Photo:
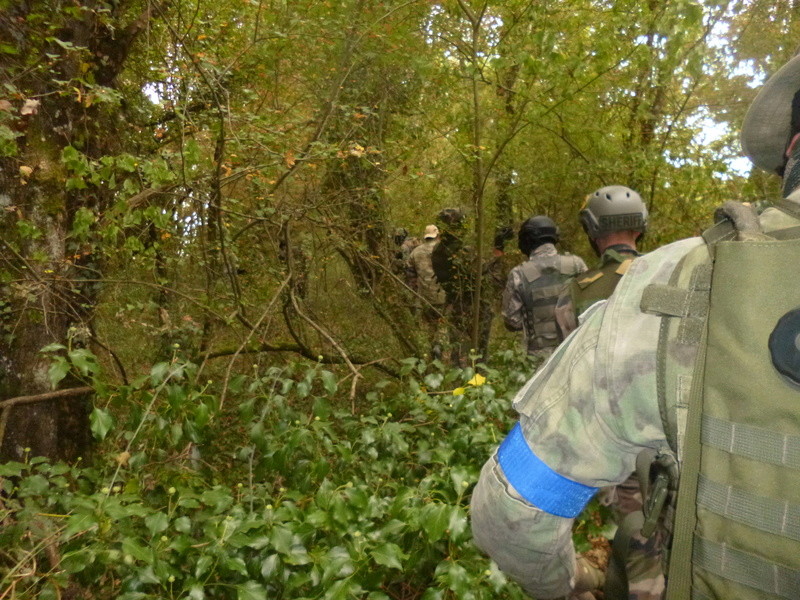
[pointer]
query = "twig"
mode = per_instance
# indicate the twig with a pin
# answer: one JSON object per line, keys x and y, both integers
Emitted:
{"x": 222, "y": 397}
{"x": 6, "y": 405}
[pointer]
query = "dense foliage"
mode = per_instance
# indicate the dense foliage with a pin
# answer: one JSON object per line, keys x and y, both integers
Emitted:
{"x": 288, "y": 496}
{"x": 196, "y": 195}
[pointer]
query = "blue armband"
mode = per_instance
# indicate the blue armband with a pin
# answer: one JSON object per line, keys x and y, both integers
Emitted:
{"x": 538, "y": 483}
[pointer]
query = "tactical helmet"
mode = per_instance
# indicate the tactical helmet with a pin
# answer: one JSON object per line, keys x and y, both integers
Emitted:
{"x": 400, "y": 235}
{"x": 536, "y": 231}
{"x": 451, "y": 216}
{"x": 613, "y": 208}
{"x": 501, "y": 236}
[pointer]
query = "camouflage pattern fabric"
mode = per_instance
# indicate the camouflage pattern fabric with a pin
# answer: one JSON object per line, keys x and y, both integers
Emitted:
{"x": 644, "y": 564}
{"x": 513, "y": 305}
{"x": 420, "y": 270}
{"x": 586, "y": 414}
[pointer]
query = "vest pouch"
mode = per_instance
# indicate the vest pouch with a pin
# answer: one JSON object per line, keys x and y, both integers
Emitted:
{"x": 746, "y": 541}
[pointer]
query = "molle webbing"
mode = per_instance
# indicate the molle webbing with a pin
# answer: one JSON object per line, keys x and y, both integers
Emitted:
{"x": 750, "y": 570}
{"x": 737, "y": 529}
{"x": 542, "y": 282}
{"x": 690, "y": 304}
{"x": 755, "y": 443}
{"x": 765, "y": 514}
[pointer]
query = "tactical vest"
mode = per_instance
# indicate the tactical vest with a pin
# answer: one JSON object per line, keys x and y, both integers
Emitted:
{"x": 542, "y": 282}
{"x": 598, "y": 284}
{"x": 732, "y": 307}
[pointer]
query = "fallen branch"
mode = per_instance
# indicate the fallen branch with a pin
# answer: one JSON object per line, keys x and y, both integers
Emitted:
{"x": 5, "y": 405}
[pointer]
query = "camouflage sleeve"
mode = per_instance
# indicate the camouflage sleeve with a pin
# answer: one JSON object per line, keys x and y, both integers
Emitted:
{"x": 512, "y": 302}
{"x": 586, "y": 414}
{"x": 411, "y": 272}
{"x": 580, "y": 265}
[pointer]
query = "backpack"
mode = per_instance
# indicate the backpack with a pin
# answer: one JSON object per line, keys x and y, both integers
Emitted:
{"x": 733, "y": 307}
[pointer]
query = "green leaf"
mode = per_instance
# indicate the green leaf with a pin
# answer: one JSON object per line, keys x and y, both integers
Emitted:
{"x": 455, "y": 577}
{"x": 53, "y": 348}
{"x": 329, "y": 382}
{"x": 203, "y": 565}
{"x": 156, "y": 523}
{"x": 251, "y": 591}
{"x": 12, "y": 469}
{"x": 84, "y": 361}
{"x": 435, "y": 518}
{"x": 281, "y": 539}
{"x": 196, "y": 592}
{"x": 101, "y": 422}
{"x": 183, "y": 524}
{"x": 389, "y": 555}
{"x": 136, "y": 550}
{"x": 270, "y": 564}
{"x": 58, "y": 370}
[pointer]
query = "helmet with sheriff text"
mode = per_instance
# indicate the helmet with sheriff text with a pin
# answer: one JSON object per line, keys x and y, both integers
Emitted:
{"x": 613, "y": 208}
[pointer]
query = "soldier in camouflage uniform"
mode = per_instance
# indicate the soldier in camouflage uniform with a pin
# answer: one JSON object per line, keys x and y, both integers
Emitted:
{"x": 419, "y": 269}
{"x": 404, "y": 245}
{"x": 496, "y": 271}
{"x": 614, "y": 218}
{"x": 532, "y": 289}
{"x": 586, "y": 415}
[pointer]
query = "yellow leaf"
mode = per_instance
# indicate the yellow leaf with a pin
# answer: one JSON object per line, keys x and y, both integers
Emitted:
{"x": 459, "y": 391}
{"x": 477, "y": 380}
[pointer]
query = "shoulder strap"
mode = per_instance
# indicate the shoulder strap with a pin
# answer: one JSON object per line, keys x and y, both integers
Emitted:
{"x": 530, "y": 271}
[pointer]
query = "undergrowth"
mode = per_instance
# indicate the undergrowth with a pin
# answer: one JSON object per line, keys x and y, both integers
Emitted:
{"x": 282, "y": 493}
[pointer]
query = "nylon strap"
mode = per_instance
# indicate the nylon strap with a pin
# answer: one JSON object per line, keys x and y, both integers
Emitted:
{"x": 747, "y": 569}
{"x": 616, "y": 587}
{"x": 767, "y": 514}
{"x": 680, "y": 563}
{"x": 790, "y": 233}
{"x": 751, "y": 442}
{"x": 536, "y": 482}
{"x": 789, "y": 207}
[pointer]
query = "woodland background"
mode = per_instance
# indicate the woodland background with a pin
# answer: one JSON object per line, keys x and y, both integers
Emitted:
{"x": 196, "y": 205}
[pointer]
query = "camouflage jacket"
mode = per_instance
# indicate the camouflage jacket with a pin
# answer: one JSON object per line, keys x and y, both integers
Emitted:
{"x": 514, "y": 308}
{"x": 593, "y": 285}
{"x": 420, "y": 270}
{"x": 586, "y": 414}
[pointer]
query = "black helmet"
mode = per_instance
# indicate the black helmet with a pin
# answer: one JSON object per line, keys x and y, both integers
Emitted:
{"x": 536, "y": 231}
{"x": 501, "y": 236}
{"x": 454, "y": 217}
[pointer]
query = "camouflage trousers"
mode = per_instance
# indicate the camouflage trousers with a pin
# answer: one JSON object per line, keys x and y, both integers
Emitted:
{"x": 644, "y": 565}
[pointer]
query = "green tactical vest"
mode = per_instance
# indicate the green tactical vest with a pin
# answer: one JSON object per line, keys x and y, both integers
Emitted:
{"x": 541, "y": 285}
{"x": 598, "y": 284}
{"x": 733, "y": 307}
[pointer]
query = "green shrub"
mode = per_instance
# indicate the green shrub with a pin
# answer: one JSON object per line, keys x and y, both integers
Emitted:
{"x": 291, "y": 495}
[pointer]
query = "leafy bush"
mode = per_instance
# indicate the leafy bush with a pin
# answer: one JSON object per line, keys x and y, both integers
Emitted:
{"x": 289, "y": 496}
